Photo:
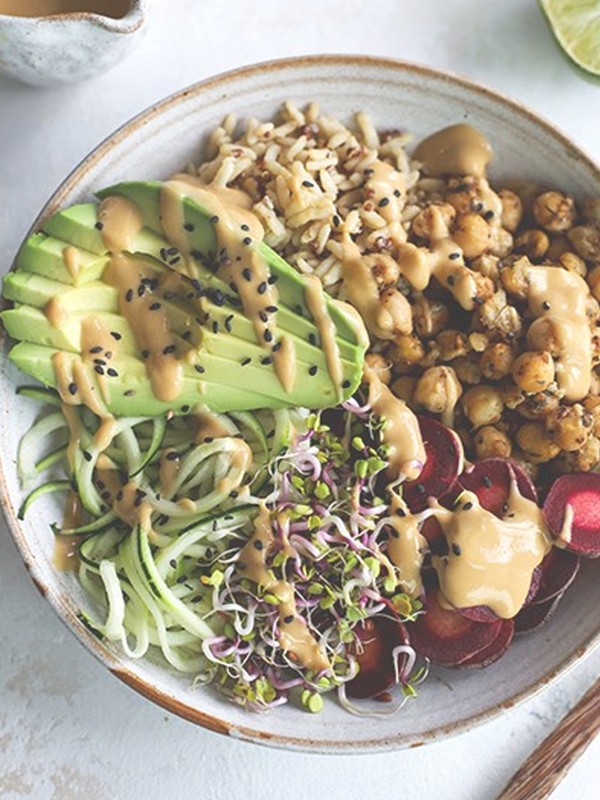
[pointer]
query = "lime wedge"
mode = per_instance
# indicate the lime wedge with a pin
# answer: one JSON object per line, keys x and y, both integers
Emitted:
{"x": 576, "y": 25}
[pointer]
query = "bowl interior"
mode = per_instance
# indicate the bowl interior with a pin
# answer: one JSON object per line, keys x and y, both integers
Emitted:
{"x": 164, "y": 140}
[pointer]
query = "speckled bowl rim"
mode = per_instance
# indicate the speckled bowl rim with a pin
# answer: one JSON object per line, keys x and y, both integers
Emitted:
{"x": 129, "y": 23}
{"x": 67, "y": 615}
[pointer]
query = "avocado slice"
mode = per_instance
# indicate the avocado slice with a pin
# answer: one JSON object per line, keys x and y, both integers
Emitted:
{"x": 222, "y": 364}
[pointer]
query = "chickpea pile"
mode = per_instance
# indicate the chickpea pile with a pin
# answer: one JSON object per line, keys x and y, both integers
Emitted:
{"x": 476, "y": 369}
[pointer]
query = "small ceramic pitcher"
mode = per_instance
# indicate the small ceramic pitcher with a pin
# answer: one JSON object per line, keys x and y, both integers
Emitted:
{"x": 68, "y": 47}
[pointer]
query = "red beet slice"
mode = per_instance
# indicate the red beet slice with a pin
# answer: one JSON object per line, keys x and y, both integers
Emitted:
{"x": 432, "y": 531}
{"x": 491, "y": 481}
{"x": 444, "y": 460}
{"x": 447, "y": 637}
{"x": 378, "y": 636}
{"x": 557, "y": 571}
{"x": 531, "y": 617}
{"x": 580, "y": 491}
{"x": 495, "y": 650}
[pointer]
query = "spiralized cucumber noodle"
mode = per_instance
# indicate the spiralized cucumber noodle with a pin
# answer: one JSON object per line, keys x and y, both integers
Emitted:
{"x": 168, "y": 582}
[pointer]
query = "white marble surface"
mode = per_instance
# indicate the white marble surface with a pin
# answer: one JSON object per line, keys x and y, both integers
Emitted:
{"x": 67, "y": 728}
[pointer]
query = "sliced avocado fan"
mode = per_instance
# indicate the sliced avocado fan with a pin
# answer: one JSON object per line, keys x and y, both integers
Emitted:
{"x": 150, "y": 302}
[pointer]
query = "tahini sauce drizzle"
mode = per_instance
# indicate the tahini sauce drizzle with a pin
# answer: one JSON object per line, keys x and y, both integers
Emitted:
{"x": 295, "y": 637}
{"x": 406, "y": 546}
{"x": 456, "y": 150}
{"x": 558, "y": 299}
{"x": 490, "y": 560}
{"x": 121, "y": 221}
{"x": 401, "y": 432}
{"x": 315, "y": 302}
{"x": 66, "y": 548}
{"x": 72, "y": 260}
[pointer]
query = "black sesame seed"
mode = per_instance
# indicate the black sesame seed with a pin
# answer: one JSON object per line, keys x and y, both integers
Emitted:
{"x": 100, "y": 361}
{"x": 214, "y": 220}
{"x": 258, "y": 544}
{"x": 289, "y": 619}
{"x": 87, "y": 455}
{"x": 96, "y": 349}
{"x": 312, "y": 371}
{"x": 170, "y": 348}
{"x": 129, "y": 393}
{"x": 188, "y": 227}
{"x": 112, "y": 372}
{"x": 420, "y": 488}
{"x": 312, "y": 338}
{"x": 467, "y": 506}
{"x": 401, "y": 512}
{"x": 488, "y": 215}
{"x": 277, "y": 346}
{"x": 172, "y": 455}
{"x": 172, "y": 251}
{"x": 456, "y": 549}
{"x": 185, "y": 409}
{"x": 546, "y": 305}
{"x": 181, "y": 578}
{"x": 129, "y": 295}
{"x": 245, "y": 362}
{"x": 141, "y": 290}
{"x": 116, "y": 336}
{"x": 105, "y": 495}
{"x": 145, "y": 353}
{"x": 266, "y": 361}
{"x": 454, "y": 256}
{"x": 264, "y": 317}
{"x": 245, "y": 227}
{"x": 172, "y": 563}
{"x": 215, "y": 326}
{"x": 208, "y": 439}
{"x": 346, "y": 384}
{"x": 336, "y": 220}
{"x": 199, "y": 368}
{"x": 108, "y": 354}
{"x": 100, "y": 484}
{"x": 99, "y": 226}
{"x": 451, "y": 280}
{"x": 154, "y": 306}
{"x": 262, "y": 287}
{"x": 383, "y": 202}
{"x": 186, "y": 335}
{"x": 72, "y": 388}
{"x": 247, "y": 274}
{"x": 308, "y": 184}
{"x": 487, "y": 482}
{"x": 268, "y": 335}
{"x": 228, "y": 321}
{"x": 246, "y": 240}
{"x": 271, "y": 309}
{"x": 397, "y": 193}
{"x": 99, "y": 369}
{"x": 272, "y": 279}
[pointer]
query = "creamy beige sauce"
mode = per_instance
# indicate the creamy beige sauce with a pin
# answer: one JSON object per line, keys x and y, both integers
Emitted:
{"x": 456, "y": 150}
{"x": 444, "y": 261}
{"x": 315, "y": 302}
{"x": 168, "y": 470}
{"x": 66, "y": 548}
{"x": 241, "y": 460}
{"x": 94, "y": 334}
{"x": 126, "y": 501}
{"x": 46, "y": 8}
{"x": 71, "y": 372}
{"x": 208, "y": 426}
{"x": 121, "y": 221}
{"x": 453, "y": 391}
{"x": 558, "y": 299}
{"x": 105, "y": 433}
{"x": 151, "y": 328}
{"x": 362, "y": 291}
{"x": 295, "y": 637}
{"x": 72, "y": 261}
{"x": 406, "y": 547}
{"x": 401, "y": 432}
{"x": 55, "y": 312}
{"x": 490, "y": 560}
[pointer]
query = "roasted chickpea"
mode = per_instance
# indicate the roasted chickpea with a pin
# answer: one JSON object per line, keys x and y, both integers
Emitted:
{"x": 468, "y": 371}
{"x": 586, "y": 241}
{"x": 482, "y": 405}
{"x": 512, "y": 396}
{"x": 558, "y": 246}
{"x": 513, "y": 274}
{"x": 592, "y": 406}
{"x": 590, "y": 210}
{"x": 573, "y": 263}
{"x": 586, "y": 458}
{"x": 478, "y": 341}
{"x": 395, "y": 314}
{"x": 452, "y": 344}
{"x": 570, "y": 426}
{"x": 492, "y": 443}
{"x": 533, "y": 372}
{"x": 497, "y": 360}
{"x": 495, "y": 314}
{"x": 433, "y": 222}
{"x": 437, "y": 390}
{"x": 380, "y": 365}
{"x": 593, "y": 280}
{"x": 472, "y": 234}
{"x": 544, "y": 336}
{"x": 429, "y": 317}
{"x": 554, "y": 211}
{"x": 512, "y": 210}
{"x": 464, "y": 195}
{"x": 592, "y": 311}
{"x": 533, "y": 243}
{"x": 407, "y": 350}
{"x": 538, "y": 405}
{"x": 385, "y": 270}
{"x": 404, "y": 388}
{"x": 501, "y": 242}
{"x": 487, "y": 265}
{"x": 537, "y": 443}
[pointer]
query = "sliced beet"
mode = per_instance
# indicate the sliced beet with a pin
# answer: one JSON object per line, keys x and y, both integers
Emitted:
{"x": 580, "y": 491}
{"x": 491, "y": 481}
{"x": 557, "y": 571}
{"x": 447, "y": 637}
{"x": 378, "y": 636}
{"x": 531, "y": 617}
{"x": 444, "y": 452}
{"x": 432, "y": 531}
{"x": 495, "y": 650}
{"x": 481, "y": 614}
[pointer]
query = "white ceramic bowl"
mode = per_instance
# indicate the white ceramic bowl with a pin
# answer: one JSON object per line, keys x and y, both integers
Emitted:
{"x": 161, "y": 141}
{"x": 68, "y": 47}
